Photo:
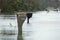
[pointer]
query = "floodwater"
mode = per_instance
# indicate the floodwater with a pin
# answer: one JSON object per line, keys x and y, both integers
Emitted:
{"x": 8, "y": 27}
{"x": 43, "y": 26}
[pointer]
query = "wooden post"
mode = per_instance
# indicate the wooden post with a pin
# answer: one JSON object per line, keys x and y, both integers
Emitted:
{"x": 20, "y": 18}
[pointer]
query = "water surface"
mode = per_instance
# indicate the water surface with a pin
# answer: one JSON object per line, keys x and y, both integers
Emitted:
{"x": 8, "y": 27}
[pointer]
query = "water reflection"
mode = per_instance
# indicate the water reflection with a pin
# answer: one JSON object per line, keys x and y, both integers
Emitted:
{"x": 8, "y": 27}
{"x": 8, "y": 37}
{"x": 8, "y": 17}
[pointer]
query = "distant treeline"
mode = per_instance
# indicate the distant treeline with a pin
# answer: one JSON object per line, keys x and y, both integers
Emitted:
{"x": 11, "y": 6}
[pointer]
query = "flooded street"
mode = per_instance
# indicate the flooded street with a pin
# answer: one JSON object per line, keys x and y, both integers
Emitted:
{"x": 43, "y": 26}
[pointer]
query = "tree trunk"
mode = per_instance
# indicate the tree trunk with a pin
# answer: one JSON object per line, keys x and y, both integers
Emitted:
{"x": 20, "y": 18}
